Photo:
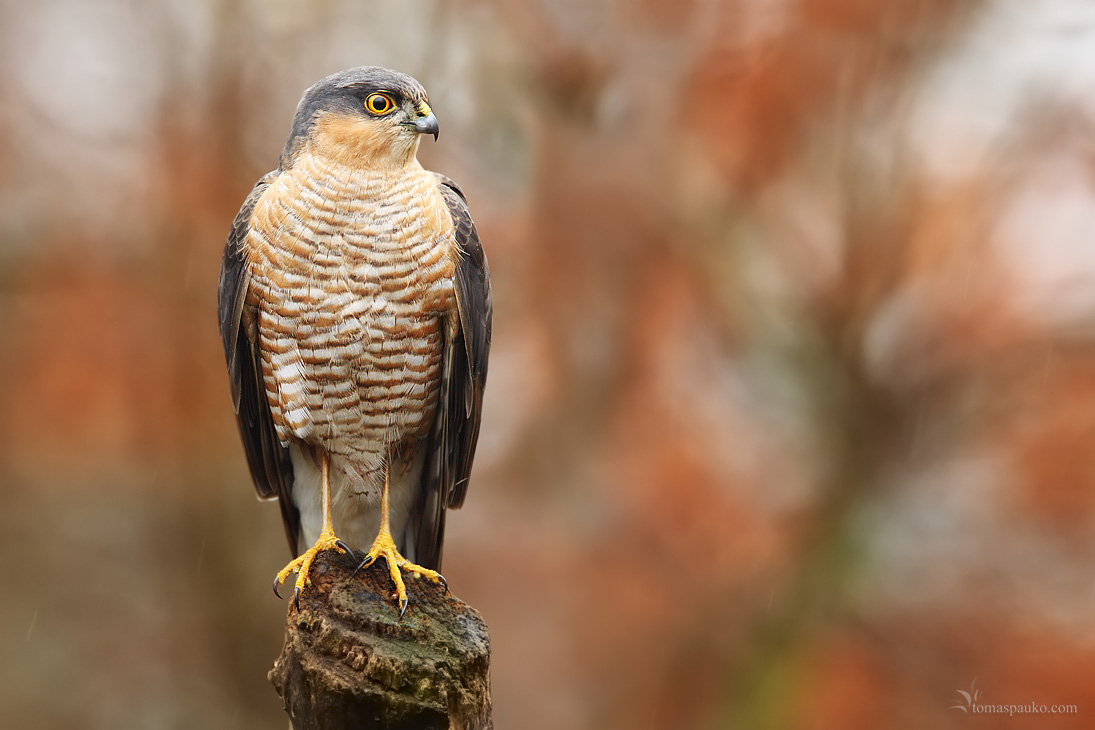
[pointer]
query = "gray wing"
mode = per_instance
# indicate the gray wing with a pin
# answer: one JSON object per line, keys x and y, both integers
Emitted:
{"x": 464, "y": 374}
{"x": 268, "y": 459}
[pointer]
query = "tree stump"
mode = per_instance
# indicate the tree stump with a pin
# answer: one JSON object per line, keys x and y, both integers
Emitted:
{"x": 350, "y": 662}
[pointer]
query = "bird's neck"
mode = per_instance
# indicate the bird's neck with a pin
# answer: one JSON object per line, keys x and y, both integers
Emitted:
{"x": 346, "y": 142}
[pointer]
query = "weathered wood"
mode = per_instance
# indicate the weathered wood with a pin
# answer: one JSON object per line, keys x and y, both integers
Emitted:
{"x": 349, "y": 662}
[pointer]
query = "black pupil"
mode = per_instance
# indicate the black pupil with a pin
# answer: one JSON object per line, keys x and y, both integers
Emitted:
{"x": 379, "y": 103}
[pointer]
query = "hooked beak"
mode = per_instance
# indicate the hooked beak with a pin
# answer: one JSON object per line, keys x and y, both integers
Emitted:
{"x": 424, "y": 122}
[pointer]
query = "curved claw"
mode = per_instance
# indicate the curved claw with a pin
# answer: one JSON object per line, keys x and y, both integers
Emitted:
{"x": 369, "y": 560}
{"x": 402, "y": 607}
{"x": 296, "y": 598}
{"x": 444, "y": 583}
{"x": 276, "y": 582}
{"x": 343, "y": 547}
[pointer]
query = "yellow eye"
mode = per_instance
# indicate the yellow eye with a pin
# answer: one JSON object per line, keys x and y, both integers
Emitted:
{"x": 379, "y": 103}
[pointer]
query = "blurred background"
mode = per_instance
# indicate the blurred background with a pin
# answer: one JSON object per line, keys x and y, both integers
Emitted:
{"x": 791, "y": 412}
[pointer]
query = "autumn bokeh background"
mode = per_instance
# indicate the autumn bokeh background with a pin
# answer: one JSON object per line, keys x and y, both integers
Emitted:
{"x": 791, "y": 413}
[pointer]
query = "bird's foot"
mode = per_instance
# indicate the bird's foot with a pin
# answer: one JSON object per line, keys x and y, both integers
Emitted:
{"x": 301, "y": 565}
{"x": 385, "y": 547}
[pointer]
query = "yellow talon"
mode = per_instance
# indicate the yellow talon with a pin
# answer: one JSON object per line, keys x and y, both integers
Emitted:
{"x": 326, "y": 541}
{"x": 301, "y": 565}
{"x": 385, "y": 547}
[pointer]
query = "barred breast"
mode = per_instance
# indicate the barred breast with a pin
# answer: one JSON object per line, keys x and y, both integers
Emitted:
{"x": 352, "y": 275}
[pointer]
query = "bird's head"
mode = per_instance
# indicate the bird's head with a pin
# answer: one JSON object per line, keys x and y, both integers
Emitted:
{"x": 367, "y": 116}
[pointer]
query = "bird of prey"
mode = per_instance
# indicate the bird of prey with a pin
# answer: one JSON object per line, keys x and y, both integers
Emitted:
{"x": 355, "y": 311}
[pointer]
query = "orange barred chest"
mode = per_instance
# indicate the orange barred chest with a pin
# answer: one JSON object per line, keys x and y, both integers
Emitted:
{"x": 353, "y": 293}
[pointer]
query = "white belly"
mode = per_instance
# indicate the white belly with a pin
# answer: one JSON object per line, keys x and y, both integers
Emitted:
{"x": 355, "y": 501}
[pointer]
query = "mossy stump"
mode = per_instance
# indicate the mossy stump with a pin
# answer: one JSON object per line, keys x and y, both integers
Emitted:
{"x": 350, "y": 662}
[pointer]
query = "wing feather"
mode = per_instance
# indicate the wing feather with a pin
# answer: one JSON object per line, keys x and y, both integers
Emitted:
{"x": 268, "y": 460}
{"x": 464, "y": 375}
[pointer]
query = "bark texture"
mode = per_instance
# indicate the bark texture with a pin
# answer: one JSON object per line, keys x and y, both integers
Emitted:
{"x": 349, "y": 662}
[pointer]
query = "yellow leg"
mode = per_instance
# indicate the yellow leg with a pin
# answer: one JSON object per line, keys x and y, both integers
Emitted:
{"x": 384, "y": 546}
{"x": 326, "y": 541}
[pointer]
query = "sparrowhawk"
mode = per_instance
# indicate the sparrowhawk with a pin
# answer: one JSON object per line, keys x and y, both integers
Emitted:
{"x": 355, "y": 311}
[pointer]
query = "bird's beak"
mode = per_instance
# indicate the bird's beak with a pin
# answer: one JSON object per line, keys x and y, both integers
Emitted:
{"x": 424, "y": 122}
